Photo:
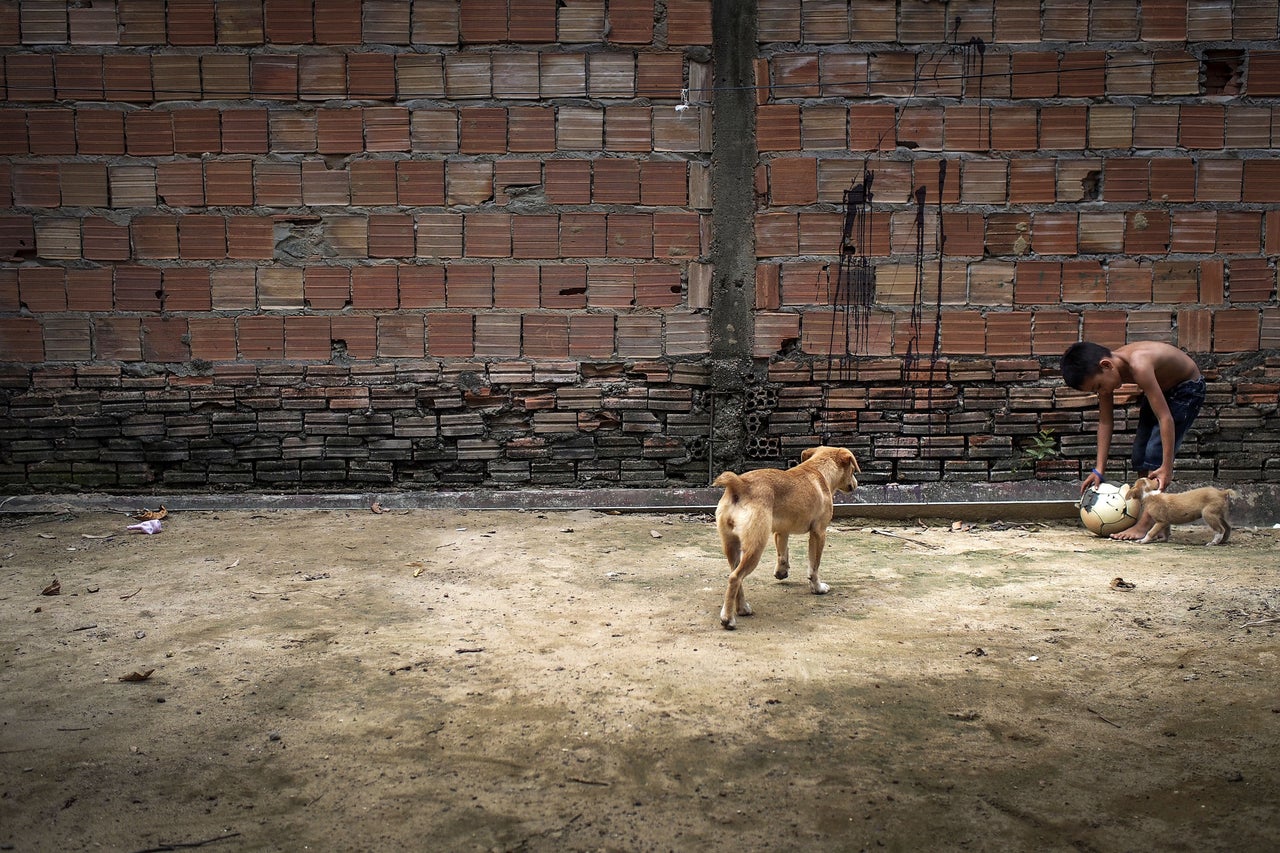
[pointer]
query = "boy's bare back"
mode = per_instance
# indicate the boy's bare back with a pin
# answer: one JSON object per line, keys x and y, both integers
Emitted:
{"x": 1170, "y": 365}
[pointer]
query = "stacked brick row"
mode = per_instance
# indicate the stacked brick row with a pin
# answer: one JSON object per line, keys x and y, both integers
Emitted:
{"x": 326, "y": 244}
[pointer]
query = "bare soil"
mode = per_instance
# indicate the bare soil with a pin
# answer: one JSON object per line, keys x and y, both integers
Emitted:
{"x": 559, "y": 681}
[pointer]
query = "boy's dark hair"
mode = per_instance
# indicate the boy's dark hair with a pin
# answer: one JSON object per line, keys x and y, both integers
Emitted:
{"x": 1081, "y": 361}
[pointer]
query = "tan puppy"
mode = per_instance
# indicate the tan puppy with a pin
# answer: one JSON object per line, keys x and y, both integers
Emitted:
{"x": 773, "y": 501}
{"x": 1208, "y": 503}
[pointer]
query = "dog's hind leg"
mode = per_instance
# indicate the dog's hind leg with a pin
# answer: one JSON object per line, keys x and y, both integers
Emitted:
{"x": 1220, "y": 525}
{"x": 784, "y": 556}
{"x": 735, "y": 599}
{"x": 817, "y": 541}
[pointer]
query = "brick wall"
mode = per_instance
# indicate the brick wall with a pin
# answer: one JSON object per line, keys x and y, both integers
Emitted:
{"x": 320, "y": 244}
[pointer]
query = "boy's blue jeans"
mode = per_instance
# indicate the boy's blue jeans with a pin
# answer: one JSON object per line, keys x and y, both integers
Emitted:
{"x": 1184, "y": 404}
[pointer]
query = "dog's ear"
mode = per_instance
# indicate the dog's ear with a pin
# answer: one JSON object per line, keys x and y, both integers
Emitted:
{"x": 806, "y": 453}
{"x": 852, "y": 460}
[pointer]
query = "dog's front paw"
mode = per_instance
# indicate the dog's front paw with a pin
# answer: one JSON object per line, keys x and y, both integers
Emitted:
{"x": 781, "y": 573}
{"x": 726, "y": 620}
{"x": 821, "y": 589}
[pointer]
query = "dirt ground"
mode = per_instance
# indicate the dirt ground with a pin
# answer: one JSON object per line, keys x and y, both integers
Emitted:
{"x": 504, "y": 680}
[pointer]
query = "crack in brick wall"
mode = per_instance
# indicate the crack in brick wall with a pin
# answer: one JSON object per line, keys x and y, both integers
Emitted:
{"x": 453, "y": 243}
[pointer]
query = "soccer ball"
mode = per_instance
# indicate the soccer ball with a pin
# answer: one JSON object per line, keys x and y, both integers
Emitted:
{"x": 1104, "y": 510}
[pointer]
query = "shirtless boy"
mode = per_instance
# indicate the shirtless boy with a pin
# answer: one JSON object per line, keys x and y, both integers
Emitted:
{"x": 1172, "y": 390}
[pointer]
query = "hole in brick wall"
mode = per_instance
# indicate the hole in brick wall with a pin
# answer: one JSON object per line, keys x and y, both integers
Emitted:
{"x": 1090, "y": 185}
{"x": 572, "y": 291}
{"x": 1222, "y": 72}
{"x": 338, "y": 348}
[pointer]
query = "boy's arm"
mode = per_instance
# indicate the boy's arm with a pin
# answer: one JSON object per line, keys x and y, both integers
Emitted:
{"x": 1160, "y": 408}
{"x": 1106, "y": 403}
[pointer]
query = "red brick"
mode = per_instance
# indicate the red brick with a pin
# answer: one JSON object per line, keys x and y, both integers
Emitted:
{"x": 29, "y": 77}
{"x": 374, "y": 182}
{"x": 657, "y": 286}
{"x": 439, "y": 235}
{"x": 89, "y": 289}
{"x": 104, "y": 240}
{"x": 469, "y": 286}
{"x": 1239, "y": 232}
{"x": 67, "y": 339}
{"x": 1173, "y": 179}
{"x": 487, "y": 235}
{"x": 401, "y": 336}
{"x": 180, "y": 183}
{"x": 155, "y": 236}
{"x": 36, "y": 185}
{"x": 187, "y": 289}
{"x": 516, "y": 286}
{"x": 99, "y": 132}
{"x": 277, "y": 184}
{"x": 497, "y": 335}
{"x": 141, "y": 23}
{"x": 260, "y": 337}
{"x": 391, "y": 235}
{"x": 42, "y": 289}
{"x": 287, "y": 21}
{"x": 228, "y": 183}
{"x": 1054, "y": 233}
{"x": 450, "y": 335}
{"x": 165, "y": 339}
{"x": 280, "y": 288}
{"x": 778, "y": 127}
{"x": 483, "y": 130}
{"x": 292, "y": 132}
{"x": 374, "y": 287}
{"x": 21, "y": 340}
{"x": 196, "y": 131}
{"x": 1195, "y": 329}
{"x": 1147, "y": 232}
{"x": 357, "y": 336}
{"x": 307, "y": 337}
{"x": 117, "y": 338}
{"x": 1104, "y": 327}
{"x": 386, "y": 22}
{"x": 78, "y": 77}
{"x": 371, "y": 76}
{"x": 202, "y": 237}
{"x": 434, "y": 131}
{"x": 386, "y": 129}
{"x": 137, "y": 288}
{"x": 148, "y": 133}
{"x": 419, "y": 182}
{"x": 191, "y": 23}
{"x": 659, "y": 75}
{"x": 545, "y": 336}
{"x": 1009, "y": 333}
{"x": 535, "y": 236}
{"x": 126, "y": 77}
{"x": 1063, "y": 127}
{"x": 176, "y": 77}
{"x": 340, "y": 131}
{"x": 615, "y": 181}
{"x": 323, "y": 186}
{"x": 1251, "y": 280}
{"x": 630, "y": 235}
{"x": 224, "y": 76}
{"x": 245, "y": 132}
{"x": 629, "y": 128}
{"x": 421, "y": 287}
{"x": 1038, "y": 283}
{"x": 1035, "y": 75}
{"x": 348, "y": 235}
{"x": 531, "y": 130}
{"x": 564, "y": 286}
{"x": 1236, "y": 330}
{"x": 51, "y": 132}
{"x": 582, "y": 235}
{"x": 326, "y": 288}
{"x": 252, "y": 237}
{"x": 337, "y": 22}
{"x": 1175, "y": 283}
{"x": 1213, "y": 281}
{"x": 1015, "y": 128}
{"x": 793, "y": 180}
{"x": 591, "y": 336}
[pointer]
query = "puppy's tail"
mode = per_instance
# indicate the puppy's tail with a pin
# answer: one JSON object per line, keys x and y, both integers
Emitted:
{"x": 1233, "y": 495}
{"x": 732, "y": 485}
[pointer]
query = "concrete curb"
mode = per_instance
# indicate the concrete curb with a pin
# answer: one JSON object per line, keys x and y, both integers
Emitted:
{"x": 971, "y": 502}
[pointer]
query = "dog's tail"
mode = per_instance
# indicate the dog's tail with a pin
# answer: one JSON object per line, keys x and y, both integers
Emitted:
{"x": 732, "y": 485}
{"x": 1232, "y": 495}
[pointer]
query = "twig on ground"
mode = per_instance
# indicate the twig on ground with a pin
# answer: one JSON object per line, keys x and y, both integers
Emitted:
{"x": 1257, "y": 622}
{"x": 1104, "y": 719}
{"x": 182, "y": 845}
{"x": 903, "y": 538}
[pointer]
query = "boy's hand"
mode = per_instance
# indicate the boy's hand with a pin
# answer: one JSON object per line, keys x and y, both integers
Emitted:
{"x": 1093, "y": 480}
{"x": 1162, "y": 477}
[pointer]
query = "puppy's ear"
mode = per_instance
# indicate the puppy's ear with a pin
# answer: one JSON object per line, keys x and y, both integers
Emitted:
{"x": 806, "y": 453}
{"x": 850, "y": 459}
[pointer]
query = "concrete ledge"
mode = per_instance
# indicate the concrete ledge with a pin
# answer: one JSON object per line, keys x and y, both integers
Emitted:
{"x": 968, "y": 502}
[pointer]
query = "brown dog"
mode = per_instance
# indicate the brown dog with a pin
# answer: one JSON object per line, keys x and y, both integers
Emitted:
{"x": 773, "y": 501}
{"x": 1208, "y": 503}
